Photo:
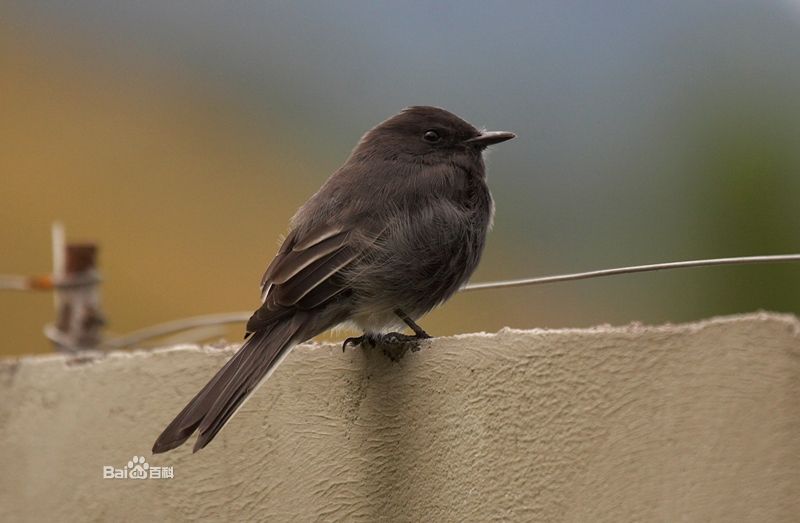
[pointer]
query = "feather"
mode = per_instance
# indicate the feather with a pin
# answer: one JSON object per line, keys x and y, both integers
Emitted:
{"x": 216, "y": 403}
{"x": 320, "y": 271}
{"x": 316, "y": 236}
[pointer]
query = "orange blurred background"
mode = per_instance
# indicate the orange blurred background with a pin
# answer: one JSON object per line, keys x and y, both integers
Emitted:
{"x": 183, "y": 147}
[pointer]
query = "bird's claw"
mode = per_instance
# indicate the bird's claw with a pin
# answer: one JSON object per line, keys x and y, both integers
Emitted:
{"x": 358, "y": 341}
{"x": 395, "y": 344}
{"x": 354, "y": 341}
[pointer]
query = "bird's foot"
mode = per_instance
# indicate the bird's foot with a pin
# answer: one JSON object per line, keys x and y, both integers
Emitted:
{"x": 393, "y": 338}
{"x": 395, "y": 344}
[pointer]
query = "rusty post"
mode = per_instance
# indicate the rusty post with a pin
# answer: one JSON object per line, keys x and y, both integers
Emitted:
{"x": 79, "y": 319}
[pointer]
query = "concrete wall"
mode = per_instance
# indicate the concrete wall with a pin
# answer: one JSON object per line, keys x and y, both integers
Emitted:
{"x": 693, "y": 422}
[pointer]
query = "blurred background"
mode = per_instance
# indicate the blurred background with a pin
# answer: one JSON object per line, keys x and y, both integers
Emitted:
{"x": 181, "y": 136}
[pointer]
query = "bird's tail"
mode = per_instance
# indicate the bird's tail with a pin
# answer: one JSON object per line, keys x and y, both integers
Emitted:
{"x": 214, "y": 405}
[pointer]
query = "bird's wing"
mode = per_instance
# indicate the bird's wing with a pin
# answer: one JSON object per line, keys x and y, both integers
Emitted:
{"x": 304, "y": 273}
{"x": 302, "y": 276}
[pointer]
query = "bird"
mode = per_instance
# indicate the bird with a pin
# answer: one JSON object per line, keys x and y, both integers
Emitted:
{"x": 391, "y": 234}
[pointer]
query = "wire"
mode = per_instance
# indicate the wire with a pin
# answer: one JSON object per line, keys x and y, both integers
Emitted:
{"x": 14, "y": 283}
{"x": 240, "y": 317}
{"x": 778, "y": 258}
{"x": 162, "y": 329}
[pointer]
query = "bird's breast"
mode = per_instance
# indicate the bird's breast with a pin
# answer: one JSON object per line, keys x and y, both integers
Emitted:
{"x": 427, "y": 253}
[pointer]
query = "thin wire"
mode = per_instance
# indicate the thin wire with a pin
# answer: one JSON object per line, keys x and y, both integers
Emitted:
{"x": 778, "y": 258}
{"x": 14, "y": 283}
{"x": 240, "y": 317}
{"x": 162, "y": 329}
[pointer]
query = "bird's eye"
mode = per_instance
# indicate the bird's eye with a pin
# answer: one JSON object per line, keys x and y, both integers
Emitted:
{"x": 431, "y": 136}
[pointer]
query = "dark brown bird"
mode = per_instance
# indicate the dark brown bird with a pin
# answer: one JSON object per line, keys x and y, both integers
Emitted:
{"x": 393, "y": 233}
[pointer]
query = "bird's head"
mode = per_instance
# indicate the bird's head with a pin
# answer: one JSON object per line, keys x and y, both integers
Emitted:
{"x": 424, "y": 133}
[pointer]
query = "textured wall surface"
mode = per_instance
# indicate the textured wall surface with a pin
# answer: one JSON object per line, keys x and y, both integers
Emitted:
{"x": 695, "y": 422}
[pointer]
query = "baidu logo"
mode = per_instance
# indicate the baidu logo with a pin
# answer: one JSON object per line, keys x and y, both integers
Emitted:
{"x": 137, "y": 468}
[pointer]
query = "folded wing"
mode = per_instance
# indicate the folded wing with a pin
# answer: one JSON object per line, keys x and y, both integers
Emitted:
{"x": 306, "y": 273}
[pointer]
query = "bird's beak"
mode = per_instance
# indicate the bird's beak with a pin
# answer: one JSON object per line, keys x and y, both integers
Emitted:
{"x": 487, "y": 138}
